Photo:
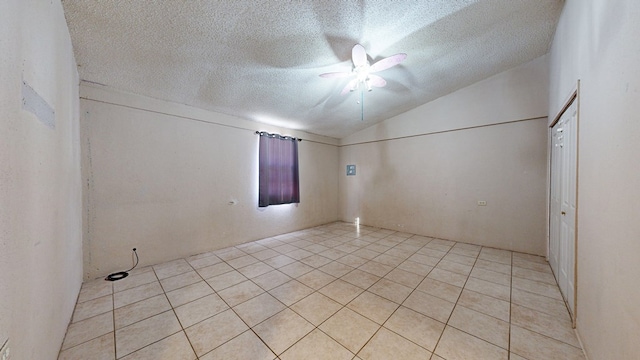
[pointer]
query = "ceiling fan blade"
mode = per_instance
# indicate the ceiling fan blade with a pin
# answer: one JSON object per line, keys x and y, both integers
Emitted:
{"x": 376, "y": 81}
{"x": 350, "y": 86}
{"x": 388, "y": 62}
{"x": 340, "y": 74}
{"x": 358, "y": 55}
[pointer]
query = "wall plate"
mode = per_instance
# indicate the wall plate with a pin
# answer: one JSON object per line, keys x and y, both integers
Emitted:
{"x": 351, "y": 170}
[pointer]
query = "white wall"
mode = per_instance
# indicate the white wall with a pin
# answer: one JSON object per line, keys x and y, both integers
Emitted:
{"x": 424, "y": 171}
{"x": 597, "y": 42}
{"x": 40, "y": 190}
{"x": 159, "y": 176}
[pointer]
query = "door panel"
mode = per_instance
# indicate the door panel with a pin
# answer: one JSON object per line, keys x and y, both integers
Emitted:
{"x": 562, "y": 234}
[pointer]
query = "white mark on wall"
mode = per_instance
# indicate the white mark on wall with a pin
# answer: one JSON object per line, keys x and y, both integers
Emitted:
{"x": 35, "y": 104}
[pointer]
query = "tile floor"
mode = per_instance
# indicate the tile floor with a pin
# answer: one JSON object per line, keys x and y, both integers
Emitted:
{"x": 330, "y": 292}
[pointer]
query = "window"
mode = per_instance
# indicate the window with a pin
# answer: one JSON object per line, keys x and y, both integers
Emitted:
{"x": 278, "y": 174}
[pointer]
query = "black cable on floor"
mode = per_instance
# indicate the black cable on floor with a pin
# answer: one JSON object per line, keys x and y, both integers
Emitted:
{"x": 123, "y": 274}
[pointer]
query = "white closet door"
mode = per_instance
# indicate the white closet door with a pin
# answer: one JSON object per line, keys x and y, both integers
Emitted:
{"x": 562, "y": 234}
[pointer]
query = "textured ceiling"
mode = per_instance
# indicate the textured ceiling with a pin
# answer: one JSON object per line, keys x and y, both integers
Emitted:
{"x": 260, "y": 59}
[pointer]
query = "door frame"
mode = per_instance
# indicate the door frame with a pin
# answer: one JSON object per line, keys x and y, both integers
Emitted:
{"x": 573, "y": 96}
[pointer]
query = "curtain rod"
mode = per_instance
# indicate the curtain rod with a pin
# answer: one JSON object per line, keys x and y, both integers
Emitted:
{"x": 264, "y": 133}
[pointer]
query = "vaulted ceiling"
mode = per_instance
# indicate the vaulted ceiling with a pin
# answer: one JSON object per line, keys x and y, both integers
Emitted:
{"x": 260, "y": 59}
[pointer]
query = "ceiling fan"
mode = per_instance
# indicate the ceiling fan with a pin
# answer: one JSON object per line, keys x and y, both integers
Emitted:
{"x": 363, "y": 73}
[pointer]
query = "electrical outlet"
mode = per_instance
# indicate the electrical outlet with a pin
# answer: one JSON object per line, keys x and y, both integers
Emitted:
{"x": 4, "y": 351}
{"x": 482, "y": 203}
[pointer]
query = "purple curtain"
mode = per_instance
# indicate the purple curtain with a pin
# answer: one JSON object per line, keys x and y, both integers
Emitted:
{"x": 278, "y": 179}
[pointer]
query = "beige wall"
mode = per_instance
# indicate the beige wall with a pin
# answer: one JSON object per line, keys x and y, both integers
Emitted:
{"x": 424, "y": 171}
{"x": 160, "y": 177}
{"x": 40, "y": 190}
{"x": 597, "y": 42}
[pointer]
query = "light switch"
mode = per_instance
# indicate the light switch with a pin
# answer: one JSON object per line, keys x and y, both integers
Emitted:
{"x": 351, "y": 170}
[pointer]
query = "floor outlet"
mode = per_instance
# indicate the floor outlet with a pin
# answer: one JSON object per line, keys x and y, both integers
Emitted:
{"x": 482, "y": 203}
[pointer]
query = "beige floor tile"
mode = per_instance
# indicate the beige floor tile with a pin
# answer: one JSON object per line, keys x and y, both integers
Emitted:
{"x": 458, "y": 345}
{"x": 495, "y": 255}
{"x": 136, "y": 294}
{"x": 416, "y": 327}
{"x": 333, "y": 254}
{"x": 558, "y": 328}
{"x": 140, "y": 310}
{"x": 373, "y": 307}
{"x": 174, "y": 347}
{"x": 228, "y": 279}
{"x": 316, "y": 248}
{"x": 316, "y": 260}
{"x": 387, "y": 345}
{"x": 242, "y": 261}
{"x": 229, "y": 253}
{"x": 88, "y": 329}
{"x": 265, "y": 254}
{"x": 390, "y": 290}
{"x": 198, "y": 263}
{"x": 258, "y": 309}
{"x": 200, "y": 309}
{"x": 296, "y": 269}
{"x": 423, "y": 259}
{"x": 436, "y": 357}
{"x": 291, "y": 292}
{"x": 429, "y": 305}
{"x": 245, "y": 346}
{"x": 528, "y": 257}
{"x": 283, "y": 330}
{"x": 316, "y": 308}
{"x": 376, "y": 268}
{"x": 240, "y": 293}
{"x": 416, "y": 268}
{"x": 178, "y": 281}
{"x": 537, "y": 266}
{"x": 352, "y": 260}
{"x": 255, "y": 269}
{"x": 545, "y": 277}
{"x": 534, "y": 346}
{"x": 440, "y": 289}
{"x": 454, "y": 267}
{"x": 404, "y": 277}
{"x": 365, "y": 254}
{"x": 132, "y": 281}
{"x": 317, "y": 346}
{"x": 448, "y": 277}
{"x": 360, "y": 278}
{"x": 492, "y": 276}
{"x": 94, "y": 289}
{"x": 540, "y": 303}
{"x": 92, "y": 308}
{"x": 146, "y": 332}
{"x": 513, "y": 356}
{"x": 435, "y": 245}
{"x": 400, "y": 252}
{"x": 489, "y": 288}
{"x": 350, "y": 329}
{"x": 341, "y": 291}
{"x": 279, "y": 261}
{"x": 461, "y": 258}
{"x": 485, "y": 304}
{"x": 480, "y": 325}
{"x": 215, "y": 331}
{"x": 536, "y": 287}
{"x": 493, "y": 266}
{"x": 336, "y": 269}
{"x": 189, "y": 293}
{"x": 172, "y": 268}
{"x": 390, "y": 260}
{"x": 299, "y": 254}
{"x": 433, "y": 253}
{"x": 316, "y": 279}
{"x": 465, "y": 250}
{"x": 214, "y": 270}
{"x": 271, "y": 279}
{"x": 100, "y": 348}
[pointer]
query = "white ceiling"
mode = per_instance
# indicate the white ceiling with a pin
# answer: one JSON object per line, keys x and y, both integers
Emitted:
{"x": 260, "y": 59}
